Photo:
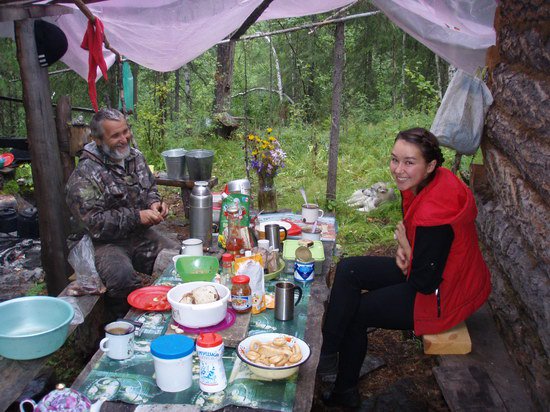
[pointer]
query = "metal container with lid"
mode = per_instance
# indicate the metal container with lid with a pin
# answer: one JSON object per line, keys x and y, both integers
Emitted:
{"x": 27, "y": 223}
{"x": 200, "y": 213}
{"x": 8, "y": 220}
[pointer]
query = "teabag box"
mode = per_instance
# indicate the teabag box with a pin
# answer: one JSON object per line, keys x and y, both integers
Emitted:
{"x": 289, "y": 254}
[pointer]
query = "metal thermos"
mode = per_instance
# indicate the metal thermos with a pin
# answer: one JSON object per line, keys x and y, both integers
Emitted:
{"x": 200, "y": 213}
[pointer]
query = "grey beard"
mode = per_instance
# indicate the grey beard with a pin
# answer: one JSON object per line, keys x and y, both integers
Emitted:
{"x": 114, "y": 154}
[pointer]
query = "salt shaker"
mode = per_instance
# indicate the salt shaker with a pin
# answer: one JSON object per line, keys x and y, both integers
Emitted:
{"x": 212, "y": 372}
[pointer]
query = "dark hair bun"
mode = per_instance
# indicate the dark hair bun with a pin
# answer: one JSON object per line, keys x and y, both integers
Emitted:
{"x": 426, "y": 142}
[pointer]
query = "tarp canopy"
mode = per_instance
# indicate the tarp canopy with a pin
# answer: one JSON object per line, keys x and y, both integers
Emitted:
{"x": 164, "y": 35}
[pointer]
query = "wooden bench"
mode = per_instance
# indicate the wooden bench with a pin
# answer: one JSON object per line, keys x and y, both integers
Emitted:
{"x": 455, "y": 341}
{"x": 185, "y": 185}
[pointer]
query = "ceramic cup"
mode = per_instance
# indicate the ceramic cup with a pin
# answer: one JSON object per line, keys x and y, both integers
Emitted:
{"x": 118, "y": 342}
{"x": 309, "y": 234}
{"x": 191, "y": 247}
{"x": 311, "y": 212}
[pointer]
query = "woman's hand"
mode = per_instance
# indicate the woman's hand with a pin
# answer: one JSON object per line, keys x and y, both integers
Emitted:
{"x": 402, "y": 260}
{"x": 161, "y": 208}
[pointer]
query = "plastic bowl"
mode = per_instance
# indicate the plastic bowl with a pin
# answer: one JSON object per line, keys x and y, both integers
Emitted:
{"x": 33, "y": 326}
{"x": 272, "y": 372}
{"x": 201, "y": 315}
{"x": 196, "y": 268}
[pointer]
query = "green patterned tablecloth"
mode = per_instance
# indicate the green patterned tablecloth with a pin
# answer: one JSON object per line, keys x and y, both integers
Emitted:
{"x": 132, "y": 381}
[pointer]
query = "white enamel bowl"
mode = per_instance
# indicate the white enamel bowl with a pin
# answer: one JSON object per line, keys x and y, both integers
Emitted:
{"x": 272, "y": 372}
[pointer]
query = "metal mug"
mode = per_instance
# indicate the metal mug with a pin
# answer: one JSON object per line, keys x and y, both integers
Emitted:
{"x": 273, "y": 234}
{"x": 284, "y": 300}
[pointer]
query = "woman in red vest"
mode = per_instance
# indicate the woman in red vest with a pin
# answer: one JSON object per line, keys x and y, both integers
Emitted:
{"x": 437, "y": 279}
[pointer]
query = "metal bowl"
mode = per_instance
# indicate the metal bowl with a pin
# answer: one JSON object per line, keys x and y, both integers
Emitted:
{"x": 272, "y": 372}
{"x": 33, "y": 326}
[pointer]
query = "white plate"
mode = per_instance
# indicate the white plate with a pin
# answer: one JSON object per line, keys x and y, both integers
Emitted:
{"x": 282, "y": 223}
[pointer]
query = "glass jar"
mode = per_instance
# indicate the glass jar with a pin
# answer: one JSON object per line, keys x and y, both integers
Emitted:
{"x": 267, "y": 194}
{"x": 241, "y": 294}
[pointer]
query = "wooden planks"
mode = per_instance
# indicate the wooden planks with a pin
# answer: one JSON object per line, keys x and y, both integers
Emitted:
{"x": 455, "y": 341}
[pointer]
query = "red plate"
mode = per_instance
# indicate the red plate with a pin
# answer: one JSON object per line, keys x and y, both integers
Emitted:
{"x": 8, "y": 158}
{"x": 150, "y": 298}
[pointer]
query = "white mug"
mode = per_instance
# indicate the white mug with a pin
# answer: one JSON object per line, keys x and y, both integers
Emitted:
{"x": 118, "y": 342}
{"x": 191, "y": 247}
{"x": 307, "y": 233}
{"x": 311, "y": 212}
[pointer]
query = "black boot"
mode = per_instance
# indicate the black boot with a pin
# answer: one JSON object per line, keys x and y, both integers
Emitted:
{"x": 328, "y": 365}
{"x": 349, "y": 398}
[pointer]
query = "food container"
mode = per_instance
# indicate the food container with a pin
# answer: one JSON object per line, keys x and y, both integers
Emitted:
{"x": 289, "y": 255}
{"x": 173, "y": 361}
{"x": 196, "y": 268}
{"x": 272, "y": 372}
{"x": 33, "y": 326}
{"x": 198, "y": 315}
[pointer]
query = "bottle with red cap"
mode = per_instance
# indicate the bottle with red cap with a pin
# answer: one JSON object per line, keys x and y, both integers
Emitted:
{"x": 227, "y": 269}
{"x": 212, "y": 372}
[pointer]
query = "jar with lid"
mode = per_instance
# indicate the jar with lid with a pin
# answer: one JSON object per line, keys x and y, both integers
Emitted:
{"x": 234, "y": 242}
{"x": 241, "y": 294}
{"x": 227, "y": 269}
{"x": 210, "y": 349}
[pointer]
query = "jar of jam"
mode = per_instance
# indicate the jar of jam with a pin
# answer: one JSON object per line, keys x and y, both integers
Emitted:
{"x": 241, "y": 294}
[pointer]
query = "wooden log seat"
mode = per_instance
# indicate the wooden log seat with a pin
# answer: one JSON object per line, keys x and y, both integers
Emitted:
{"x": 455, "y": 341}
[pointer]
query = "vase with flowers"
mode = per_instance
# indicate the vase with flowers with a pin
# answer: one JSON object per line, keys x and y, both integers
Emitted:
{"x": 266, "y": 158}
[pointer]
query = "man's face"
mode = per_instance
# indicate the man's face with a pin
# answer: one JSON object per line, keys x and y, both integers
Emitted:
{"x": 116, "y": 139}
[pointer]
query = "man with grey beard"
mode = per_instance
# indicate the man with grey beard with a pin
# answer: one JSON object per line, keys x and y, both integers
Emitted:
{"x": 113, "y": 195}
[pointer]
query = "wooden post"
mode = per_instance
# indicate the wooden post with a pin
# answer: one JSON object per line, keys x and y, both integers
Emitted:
{"x": 45, "y": 159}
{"x": 337, "y": 86}
{"x": 62, "y": 121}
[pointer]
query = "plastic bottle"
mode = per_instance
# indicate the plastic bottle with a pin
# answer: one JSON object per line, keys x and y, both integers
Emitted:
{"x": 234, "y": 243}
{"x": 227, "y": 269}
{"x": 212, "y": 372}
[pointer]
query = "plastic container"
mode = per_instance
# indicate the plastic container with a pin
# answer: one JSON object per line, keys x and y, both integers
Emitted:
{"x": 227, "y": 269}
{"x": 197, "y": 268}
{"x": 172, "y": 358}
{"x": 241, "y": 294}
{"x": 289, "y": 255}
{"x": 210, "y": 349}
{"x": 174, "y": 160}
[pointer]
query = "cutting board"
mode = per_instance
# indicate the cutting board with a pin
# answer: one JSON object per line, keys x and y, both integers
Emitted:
{"x": 231, "y": 336}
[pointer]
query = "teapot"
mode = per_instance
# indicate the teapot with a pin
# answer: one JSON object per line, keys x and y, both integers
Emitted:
{"x": 63, "y": 399}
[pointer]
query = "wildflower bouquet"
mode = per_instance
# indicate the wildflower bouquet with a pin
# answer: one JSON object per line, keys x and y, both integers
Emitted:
{"x": 266, "y": 155}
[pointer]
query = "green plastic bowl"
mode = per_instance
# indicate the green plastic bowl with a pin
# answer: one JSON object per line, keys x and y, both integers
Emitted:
{"x": 33, "y": 326}
{"x": 196, "y": 268}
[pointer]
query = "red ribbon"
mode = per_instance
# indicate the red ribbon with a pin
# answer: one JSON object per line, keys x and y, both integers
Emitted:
{"x": 93, "y": 42}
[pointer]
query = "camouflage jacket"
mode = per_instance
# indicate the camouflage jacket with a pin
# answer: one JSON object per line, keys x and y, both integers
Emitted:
{"x": 106, "y": 197}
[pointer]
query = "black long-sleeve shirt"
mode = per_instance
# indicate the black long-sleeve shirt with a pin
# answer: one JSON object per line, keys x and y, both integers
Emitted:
{"x": 431, "y": 249}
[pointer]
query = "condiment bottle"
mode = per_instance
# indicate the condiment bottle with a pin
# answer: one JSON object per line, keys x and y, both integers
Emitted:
{"x": 227, "y": 269}
{"x": 241, "y": 294}
{"x": 234, "y": 243}
{"x": 212, "y": 372}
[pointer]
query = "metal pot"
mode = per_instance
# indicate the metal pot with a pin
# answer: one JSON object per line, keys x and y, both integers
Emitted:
{"x": 8, "y": 220}
{"x": 27, "y": 223}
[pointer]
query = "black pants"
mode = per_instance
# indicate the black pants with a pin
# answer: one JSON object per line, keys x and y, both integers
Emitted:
{"x": 388, "y": 303}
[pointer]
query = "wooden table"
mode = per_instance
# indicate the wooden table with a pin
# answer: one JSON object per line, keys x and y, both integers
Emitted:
{"x": 306, "y": 379}
{"x": 185, "y": 185}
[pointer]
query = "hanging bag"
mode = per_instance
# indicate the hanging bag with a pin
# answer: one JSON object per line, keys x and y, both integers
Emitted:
{"x": 459, "y": 121}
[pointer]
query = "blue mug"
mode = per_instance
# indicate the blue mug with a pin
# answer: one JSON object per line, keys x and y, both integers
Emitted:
{"x": 304, "y": 271}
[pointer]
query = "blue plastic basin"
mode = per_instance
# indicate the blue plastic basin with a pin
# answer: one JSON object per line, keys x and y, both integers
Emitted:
{"x": 33, "y": 326}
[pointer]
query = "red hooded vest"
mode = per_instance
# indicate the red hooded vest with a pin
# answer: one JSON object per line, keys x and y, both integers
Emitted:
{"x": 466, "y": 279}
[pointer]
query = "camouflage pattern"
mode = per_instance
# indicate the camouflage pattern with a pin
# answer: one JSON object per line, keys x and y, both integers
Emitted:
{"x": 106, "y": 197}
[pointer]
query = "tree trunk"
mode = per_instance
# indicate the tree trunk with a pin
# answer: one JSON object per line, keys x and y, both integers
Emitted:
{"x": 177, "y": 92}
{"x": 337, "y": 87}
{"x": 135, "y": 70}
{"x": 403, "y": 65}
{"x": 277, "y": 69}
{"x": 224, "y": 77}
{"x": 438, "y": 69}
{"x": 46, "y": 162}
{"x": 62, "y": 121}
{"x": 187, "y": 87}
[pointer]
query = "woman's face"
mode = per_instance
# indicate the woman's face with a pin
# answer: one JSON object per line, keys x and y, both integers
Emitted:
{"x": 408, "y": 166}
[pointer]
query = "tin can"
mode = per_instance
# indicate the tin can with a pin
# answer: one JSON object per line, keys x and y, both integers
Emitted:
{"x": 304, "y": 271}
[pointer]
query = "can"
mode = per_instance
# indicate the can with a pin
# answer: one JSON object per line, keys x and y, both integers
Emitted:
{"x": 304, "y": 271}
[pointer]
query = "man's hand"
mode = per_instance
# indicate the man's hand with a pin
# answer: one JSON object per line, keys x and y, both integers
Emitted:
{"x": 160, "y": 207}
{"x": 150, "y": 217}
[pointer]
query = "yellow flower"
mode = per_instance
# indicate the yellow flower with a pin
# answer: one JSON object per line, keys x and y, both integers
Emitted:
{"x": 250, "y": 137}
{"x": 269, "y": 130}
{"x": 263, "y": 156}
{"x": 272, "y": 139}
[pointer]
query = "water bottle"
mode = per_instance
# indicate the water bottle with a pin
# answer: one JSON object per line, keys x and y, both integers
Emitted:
{"x": 200, "y": 213}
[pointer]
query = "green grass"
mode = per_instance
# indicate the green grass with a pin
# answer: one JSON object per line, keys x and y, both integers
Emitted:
{"x": 362, "y": 161}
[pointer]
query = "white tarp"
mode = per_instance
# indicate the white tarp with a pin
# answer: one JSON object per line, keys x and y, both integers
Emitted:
{"x": 163, "y": 35}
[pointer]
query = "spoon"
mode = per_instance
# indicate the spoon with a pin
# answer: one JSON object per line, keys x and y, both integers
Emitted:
{"x": 314, "y": 228}
{"x": 303, "y": 192}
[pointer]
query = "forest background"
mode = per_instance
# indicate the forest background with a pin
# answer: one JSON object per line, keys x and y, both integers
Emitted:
{"x": 284, "y": 82}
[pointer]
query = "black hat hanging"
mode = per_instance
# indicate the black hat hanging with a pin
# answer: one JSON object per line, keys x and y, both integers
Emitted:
{"x": 51, "y": 42}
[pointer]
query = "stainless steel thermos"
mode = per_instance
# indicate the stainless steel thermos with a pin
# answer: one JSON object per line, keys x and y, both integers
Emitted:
{"x": 200, "y": 213}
